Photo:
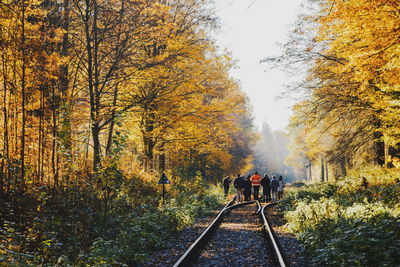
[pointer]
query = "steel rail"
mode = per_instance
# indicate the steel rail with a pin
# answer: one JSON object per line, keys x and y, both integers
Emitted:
{"x": 259, "y": 207}
{"x": 278, "y": 256}
{"x": 196, "y": 246}
{"x": 239, "y": 204}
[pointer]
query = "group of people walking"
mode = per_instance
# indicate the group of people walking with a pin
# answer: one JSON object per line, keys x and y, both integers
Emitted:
{"x": 272, "y": 188}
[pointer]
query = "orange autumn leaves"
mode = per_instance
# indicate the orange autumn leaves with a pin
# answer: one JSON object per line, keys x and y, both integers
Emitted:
{"x": 353, "y": 113}
{"x": 365, "y": 35}
{"x": 114, "y": 81}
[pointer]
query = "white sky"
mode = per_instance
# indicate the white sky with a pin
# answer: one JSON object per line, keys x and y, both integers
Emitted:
{"x": 251, "y": 29}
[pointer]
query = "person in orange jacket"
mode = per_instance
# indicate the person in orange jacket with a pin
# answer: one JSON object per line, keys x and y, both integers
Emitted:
{"x": 255, "y": 182}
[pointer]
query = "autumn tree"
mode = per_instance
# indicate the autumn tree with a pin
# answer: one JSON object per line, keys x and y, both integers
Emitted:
{"x": 82, "y": 74}
{"x": 365, "y": 39}
{"x": 26, "y": 56}
{"x": 107, "y": 35}
{"x": 350, "y": 88}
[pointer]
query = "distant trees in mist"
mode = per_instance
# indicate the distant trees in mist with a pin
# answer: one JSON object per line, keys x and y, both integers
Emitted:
{"x": 270, "y": 153}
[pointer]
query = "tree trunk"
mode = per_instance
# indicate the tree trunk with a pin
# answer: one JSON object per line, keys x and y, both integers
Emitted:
{"x": 148, "y": 140}
{"x": 42, "y": 156}
{"x": 14, "y": 119}
{"x": 148, "y": 152}
{"x": 111, "y": 129}
{"x": 92, "y": 83}
{"x": 6, "y": 150}
{"x": 23, "y": 80}
{"x": 161, "y": 158}
{"x": 309, "y": 167}
{"x": 379, "y": 145}
{"x": 86, "y": 159}
{"x": 40, "y": 139}
{"x": 54, "y": 153}
{"x": 96, "y": 147}
{"x": 387, "y": 154}
{"x": 343, "y": 167}
{"x": 326, "y": 171}
{"x": 380, "y": 153}
{"x": 115, "y": 94}
{"x": 322, "y": 169}
{"x": 65, "y": 132}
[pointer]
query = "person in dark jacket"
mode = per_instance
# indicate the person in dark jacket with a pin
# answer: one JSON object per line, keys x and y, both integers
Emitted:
{"x": 226, "y": 181}
{"x": 247, "y": 189}
{"x": 280, "y": 187}
{"x": 238, "y": 183}
{"x": 266, "y": 184}
{"x": 274, "y": 188}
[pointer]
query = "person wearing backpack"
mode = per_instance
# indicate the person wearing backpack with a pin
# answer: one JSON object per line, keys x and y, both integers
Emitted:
{"x": 247, "y": 189}
{"x": 266, "y": 185}
{"x": 280, "y": 187}
{"x": 274, "y": 187}
{"x": 238, "y": 183}
{"x": 226, "y": 182}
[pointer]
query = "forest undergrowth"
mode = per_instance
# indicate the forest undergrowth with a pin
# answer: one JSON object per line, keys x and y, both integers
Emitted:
{"x": 81, "y": 227}
{"x": 353, "y": 222}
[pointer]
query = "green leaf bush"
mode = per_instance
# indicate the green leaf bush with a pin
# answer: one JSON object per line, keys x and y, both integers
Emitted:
{"x": 348, "y": 223}
{"x": 119, "y": 226}
{"x": 151, "y": 228}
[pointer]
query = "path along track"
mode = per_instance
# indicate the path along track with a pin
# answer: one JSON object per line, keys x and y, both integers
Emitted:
{"x": 234, "y": 239}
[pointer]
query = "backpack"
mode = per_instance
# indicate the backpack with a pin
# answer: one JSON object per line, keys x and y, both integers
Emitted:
{"x": 274, "y": 184}
{"x": 265, "y": 182}
{"x": 238, "y": 183}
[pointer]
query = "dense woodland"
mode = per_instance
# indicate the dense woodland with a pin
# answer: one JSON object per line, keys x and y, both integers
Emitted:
{"x": 86, "y": 84}
{"x": 349, "y": 109}
{"x": 98, "y": 97}
{"x": 345, "y": 131}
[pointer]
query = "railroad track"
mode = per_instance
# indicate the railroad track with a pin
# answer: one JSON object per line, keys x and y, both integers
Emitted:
{"x": 275, "y": 250}
{"x": 273, "y": 255}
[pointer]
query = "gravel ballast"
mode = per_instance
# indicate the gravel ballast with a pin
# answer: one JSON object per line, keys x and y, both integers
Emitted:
{"x": 291, "y": 246}
{"x": 174, "y": 250}
{"x": 237, "y": 242}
